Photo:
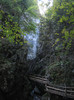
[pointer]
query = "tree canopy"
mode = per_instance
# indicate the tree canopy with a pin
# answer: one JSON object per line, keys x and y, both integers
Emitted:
{"x": 16, "y": 18}
{"x": 61, "y": 14}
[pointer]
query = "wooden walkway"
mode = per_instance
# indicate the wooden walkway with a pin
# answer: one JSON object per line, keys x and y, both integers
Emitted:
{"x": 58, "y": 90}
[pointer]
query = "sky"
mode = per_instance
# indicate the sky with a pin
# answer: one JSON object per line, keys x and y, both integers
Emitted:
{"x": 43, "y": 7}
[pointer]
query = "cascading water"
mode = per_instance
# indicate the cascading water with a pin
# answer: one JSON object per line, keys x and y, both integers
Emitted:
{"x": 32, "y": 39}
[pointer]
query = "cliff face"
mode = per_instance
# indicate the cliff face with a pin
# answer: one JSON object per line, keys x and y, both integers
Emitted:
{"x": 55, "y": 51}
{"x": 13, "y": 67}
{"x": 54, "y": 60}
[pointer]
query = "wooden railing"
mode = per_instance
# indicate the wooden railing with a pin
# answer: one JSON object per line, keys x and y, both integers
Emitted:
{"x": 58, "y": 90}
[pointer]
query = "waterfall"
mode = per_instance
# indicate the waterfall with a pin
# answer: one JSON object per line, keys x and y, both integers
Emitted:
{"x": 32, "y": 39}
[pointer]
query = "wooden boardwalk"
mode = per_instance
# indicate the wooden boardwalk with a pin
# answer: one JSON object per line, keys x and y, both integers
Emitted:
{"x": 58, "y": 90}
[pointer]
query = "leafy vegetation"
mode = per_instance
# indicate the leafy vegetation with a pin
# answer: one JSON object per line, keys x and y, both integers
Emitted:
{"x": 16, "y": 19}
{"x": 56, "y": 43}
{"x": 55, "y": 53}
{"x": 14, "y": 15}
{"x": 62, "y": 13}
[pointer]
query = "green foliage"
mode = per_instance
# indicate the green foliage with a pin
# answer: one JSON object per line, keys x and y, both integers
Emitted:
{"x": 15, "y": 14}
{"x": 62, "y": 15}
{"x": 9, "y": 28}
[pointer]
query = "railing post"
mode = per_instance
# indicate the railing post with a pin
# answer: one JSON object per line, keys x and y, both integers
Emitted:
{"x": 65, "y": 92}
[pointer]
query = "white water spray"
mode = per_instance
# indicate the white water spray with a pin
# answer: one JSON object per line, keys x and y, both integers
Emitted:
{"x": 32, "y": 39}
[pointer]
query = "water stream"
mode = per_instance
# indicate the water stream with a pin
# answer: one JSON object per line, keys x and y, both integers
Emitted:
{"x": 32, "y": 39}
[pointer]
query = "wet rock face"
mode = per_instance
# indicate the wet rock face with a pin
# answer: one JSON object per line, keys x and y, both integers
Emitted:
{"x": 2, "y": 95}
{"x": 13, "y": 67}
{"x": 19, "y": 91}
{"x": 45, "y": 97}
{"x": 36, "y": 98}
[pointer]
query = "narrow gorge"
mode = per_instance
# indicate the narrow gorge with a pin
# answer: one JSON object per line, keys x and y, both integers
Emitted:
{"x": 36, "y": 50}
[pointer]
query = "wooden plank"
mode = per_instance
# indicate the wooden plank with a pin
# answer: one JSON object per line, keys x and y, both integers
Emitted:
{"x": 55, "y": 92}
{"x": 60, "y": 93}
{"x": 59, "y": 90}
{"x": 39, "y": 78}
{"x": 61, "y": 86}
{"x": 40, "y": 81}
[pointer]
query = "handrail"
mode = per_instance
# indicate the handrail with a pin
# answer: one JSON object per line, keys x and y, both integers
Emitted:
{"x": 42, "y": 78}
{"x": 59, "y": 90}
